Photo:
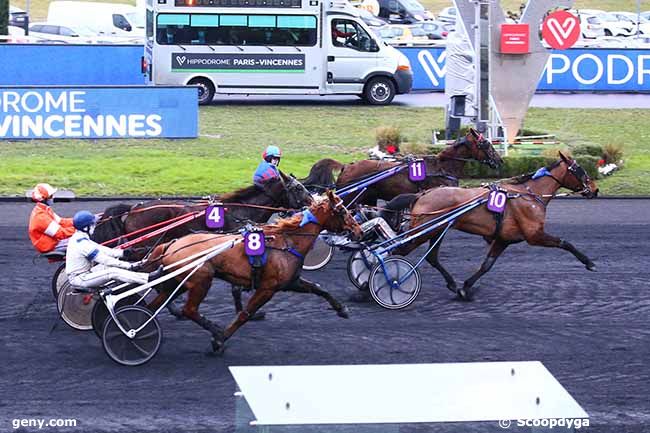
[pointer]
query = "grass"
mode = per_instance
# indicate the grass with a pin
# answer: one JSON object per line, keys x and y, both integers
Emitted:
{"x": 38, "y": 8}
{"x": 232, "y": 139}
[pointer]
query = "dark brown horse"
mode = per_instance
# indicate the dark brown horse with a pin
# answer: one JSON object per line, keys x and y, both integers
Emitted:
{"x": 443, "y": 169}
{"x": 523, "y": 219}
{"x": 287, "y": 242}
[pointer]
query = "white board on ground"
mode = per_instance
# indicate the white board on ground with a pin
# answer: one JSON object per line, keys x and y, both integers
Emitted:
{"x": 404, "y": 393}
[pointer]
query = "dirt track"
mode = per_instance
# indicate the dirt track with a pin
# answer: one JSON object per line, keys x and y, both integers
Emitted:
{"x": 591, "y": 330}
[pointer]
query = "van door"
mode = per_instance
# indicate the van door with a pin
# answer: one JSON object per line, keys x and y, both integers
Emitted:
{"x": 352, "y": 54}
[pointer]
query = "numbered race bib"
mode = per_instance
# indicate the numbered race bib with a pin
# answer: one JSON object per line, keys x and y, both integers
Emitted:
{"x": 497, "y": 201}
{"x": 417, "y": 171}
{"x": 214, "y": 217}
{"x": 254, "y": 243}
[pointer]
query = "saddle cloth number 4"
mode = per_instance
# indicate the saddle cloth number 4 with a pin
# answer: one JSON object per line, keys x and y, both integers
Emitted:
{"x": 214, "y": 217}
{"x": 497, "y": 201}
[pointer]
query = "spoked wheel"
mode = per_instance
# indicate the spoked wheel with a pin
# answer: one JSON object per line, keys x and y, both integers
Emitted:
{"x": 58, "y": 280}
{"x": 319, "y": 256}
{"x": 132, "y": 351}
{"x": 395, "y": 284}
{"x": 360, "y": 265}
{"x": 76, "y": 308}
{"x": 100, "y": 313}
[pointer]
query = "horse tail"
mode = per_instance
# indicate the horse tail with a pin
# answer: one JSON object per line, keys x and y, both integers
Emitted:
{"x": 111, "y": 224}
{"x": 393, "y": 210}
{"x": 321, "y": 175}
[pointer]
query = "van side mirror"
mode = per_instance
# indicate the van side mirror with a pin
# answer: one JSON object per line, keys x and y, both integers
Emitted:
{"x": 128, "y": 27}
{"x": 373, "y": 46}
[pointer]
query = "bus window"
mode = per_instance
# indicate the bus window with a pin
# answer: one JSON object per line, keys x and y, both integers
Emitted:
{"x": 265, "y": 30}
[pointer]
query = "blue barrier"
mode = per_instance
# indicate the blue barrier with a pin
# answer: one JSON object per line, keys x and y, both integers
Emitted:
{"x": 98, "y": 112}
{"x": 70, "y": 65}
{"x": 596, "y": 70}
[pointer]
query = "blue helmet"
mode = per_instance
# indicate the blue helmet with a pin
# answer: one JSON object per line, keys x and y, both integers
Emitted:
{"x": 272, "y": 152}
{"x": 83, "y": 219}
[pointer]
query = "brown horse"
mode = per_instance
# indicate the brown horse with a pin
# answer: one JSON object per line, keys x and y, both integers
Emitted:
{"x": 287, "y": 242}
{"x": 442, "y": 169}
{"x": 523, "y": 219}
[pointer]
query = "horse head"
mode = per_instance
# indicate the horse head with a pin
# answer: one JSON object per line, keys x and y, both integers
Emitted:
{"x": 296, "y": 195}
{"x": 334, "y": 216}
{"x": 576, "y": 178}
{"x": 481, "y": 149}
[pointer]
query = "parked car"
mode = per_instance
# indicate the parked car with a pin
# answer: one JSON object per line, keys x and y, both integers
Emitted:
{"x": 611, "y": 24}
{"x": 403, "y": 35}
{"x": 448, "y": 14}
{"x": 434, "y": 30}
{"x": 403, "y": 11}
{"x": 644, "y": 24}
{"x": 17, "y": 16}
{"x": 591, "y": 26}
{"x": 66, "y": 34}
{"x": 370, "y": 19}
{"x": 108, "y": 19}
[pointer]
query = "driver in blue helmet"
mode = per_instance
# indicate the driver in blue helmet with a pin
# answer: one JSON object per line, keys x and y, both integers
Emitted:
{"x": 83, "y": 253}
{"x": 268, "y": 168}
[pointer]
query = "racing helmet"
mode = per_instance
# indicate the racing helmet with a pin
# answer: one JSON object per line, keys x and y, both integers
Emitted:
{"x": 42, "y": 192}
{"x": 271, "y": 152}
{"x": 83, "y": 220}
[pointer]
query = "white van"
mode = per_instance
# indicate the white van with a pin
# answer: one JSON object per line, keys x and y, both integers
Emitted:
{"x": 310, "y": 47}
{"x": 108, "y": 19}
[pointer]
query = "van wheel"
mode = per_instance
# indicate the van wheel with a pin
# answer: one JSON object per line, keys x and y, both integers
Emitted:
{"x": 379, "y": 91}
{"x": 206, "y": 90}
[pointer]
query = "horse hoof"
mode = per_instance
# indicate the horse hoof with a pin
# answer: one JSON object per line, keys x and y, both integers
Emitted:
{"x": 465, "y": 294}
{"x": 344, "y": 312}
{"x": 218, "y": 346}
{"x": 360, "y": 297}
{"x": 260, "y": 315}
{"x": 591, "y": 266}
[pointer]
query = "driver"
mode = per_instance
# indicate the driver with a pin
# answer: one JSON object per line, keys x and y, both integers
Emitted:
{"x": 83, "y": 253}
{"x": 336, "y": 33}
{"x": 47, "y": 230}
{"x": 268, "y": 168}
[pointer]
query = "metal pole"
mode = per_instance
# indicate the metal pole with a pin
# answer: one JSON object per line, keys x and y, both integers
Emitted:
{"x": 27, "y": 5}
{"x": 638, "y": 17}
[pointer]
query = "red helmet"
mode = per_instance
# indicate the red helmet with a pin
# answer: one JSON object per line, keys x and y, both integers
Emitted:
{"x": 272, "y": 152}
{"x": 43, "y": 191}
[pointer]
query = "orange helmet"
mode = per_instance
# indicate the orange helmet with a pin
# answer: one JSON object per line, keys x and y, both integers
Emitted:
{"x": 43, "y": 191}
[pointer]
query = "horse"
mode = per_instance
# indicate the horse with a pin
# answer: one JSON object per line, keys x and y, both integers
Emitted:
{"x": 442, "y": 169}
{"x": 287, "y": 243}
{"x": 256, "y": 206}
{"x": 522, "y": 220}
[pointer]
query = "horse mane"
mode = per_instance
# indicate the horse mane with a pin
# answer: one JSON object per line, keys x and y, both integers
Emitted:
{"x": 321, "y": 174}
{"x": 243, "y": 194}
{"x": 293, "y": 222}
{"x": 518, "y": 180}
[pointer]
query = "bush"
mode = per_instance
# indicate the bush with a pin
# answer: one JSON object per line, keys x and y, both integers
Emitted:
{"x": 388, "y": 136}
{"x": 612, "y": 153}
{"x": 518, "y": 165}
{"x": 588, "y": 149}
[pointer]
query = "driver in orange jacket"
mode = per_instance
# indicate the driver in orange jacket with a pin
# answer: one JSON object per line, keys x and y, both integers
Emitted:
{"x": 47, "y": 230}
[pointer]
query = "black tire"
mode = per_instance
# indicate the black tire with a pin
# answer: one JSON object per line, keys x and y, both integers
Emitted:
{"x": 400, "y": 295}
{"x": 358, "y": 270}
{"x": 318, "y": 256}
{"x": 76, "y": 308}
{"x": 608, "y": 33}
{"x": 206, "y": 90}
{"x": 132, "y": 351}
{"x": 59, "y": 274}
{"x": 379, "y": 91}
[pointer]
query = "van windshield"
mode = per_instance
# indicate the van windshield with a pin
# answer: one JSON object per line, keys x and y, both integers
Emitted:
{"x": 137, "y": 20}
{"x": 412, "y": 5}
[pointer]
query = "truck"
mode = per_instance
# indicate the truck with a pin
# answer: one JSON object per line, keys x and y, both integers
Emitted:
{"x": 252, "y": 47}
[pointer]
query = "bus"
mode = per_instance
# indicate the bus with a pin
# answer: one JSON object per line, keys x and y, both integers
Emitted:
{"x": 299, "y": 47}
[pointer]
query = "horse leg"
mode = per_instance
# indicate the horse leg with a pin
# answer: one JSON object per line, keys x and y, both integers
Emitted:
{"x": 259, "y": 298}
{"x": 543, "y": 239}
{"x": 305, "y": 286}
{"x": 236, "y": 296}
{"x": 196, "y": 294}
{"x": 432, "y": 258}
{"x": 498, "y": 246}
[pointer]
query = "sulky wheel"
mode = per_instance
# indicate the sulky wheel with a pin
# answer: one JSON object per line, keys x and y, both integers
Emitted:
{"x": 100, "y": 313}
{"x": 360, "y": 265}
{"x": 58, "y": 280}
{"x": 76, "y": 308}
{"x": 394, "y": 284}
{"x": 319, "y": 255}
{"x": 142, "y": 346}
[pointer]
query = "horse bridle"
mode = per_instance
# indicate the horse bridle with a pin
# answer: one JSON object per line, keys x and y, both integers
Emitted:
{"x": 578, "y": 173}
{"x": 481, "y": 144}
